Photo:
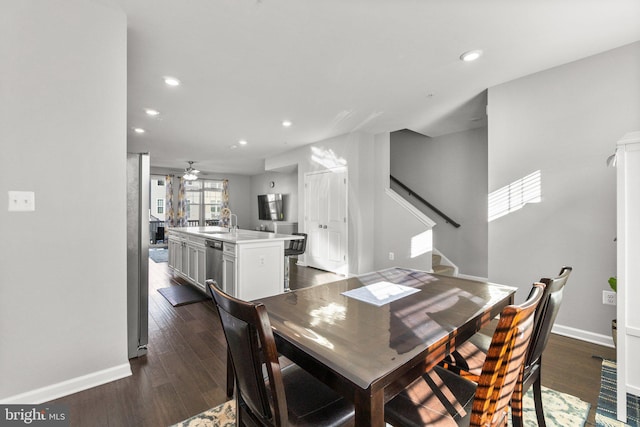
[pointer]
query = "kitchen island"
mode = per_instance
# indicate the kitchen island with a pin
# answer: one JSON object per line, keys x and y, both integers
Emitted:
{"x": 246, "y": 264}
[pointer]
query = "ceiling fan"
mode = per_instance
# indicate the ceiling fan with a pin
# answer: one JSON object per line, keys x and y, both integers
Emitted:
{"x": 190, "y": 174}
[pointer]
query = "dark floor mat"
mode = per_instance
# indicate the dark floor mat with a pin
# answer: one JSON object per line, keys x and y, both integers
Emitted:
{"x": 182, "y": 294}
{"x": 159, "y": 254}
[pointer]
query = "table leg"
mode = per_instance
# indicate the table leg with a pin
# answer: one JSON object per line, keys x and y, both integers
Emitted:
{"x": 369, "y": 408}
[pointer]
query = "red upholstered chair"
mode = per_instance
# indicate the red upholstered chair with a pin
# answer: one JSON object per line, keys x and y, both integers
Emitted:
{"x": 443, "y": 398}
{"x": 284, "y": 396}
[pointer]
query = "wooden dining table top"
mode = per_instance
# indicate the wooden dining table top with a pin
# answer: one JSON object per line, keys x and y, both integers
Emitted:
{"x": 369, "y": 352}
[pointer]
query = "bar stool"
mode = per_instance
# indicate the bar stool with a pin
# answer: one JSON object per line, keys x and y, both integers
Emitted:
{"x": 296, "y": 247}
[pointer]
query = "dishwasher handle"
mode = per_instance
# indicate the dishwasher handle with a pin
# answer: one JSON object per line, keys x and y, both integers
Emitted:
{"x": 214, "y": 244}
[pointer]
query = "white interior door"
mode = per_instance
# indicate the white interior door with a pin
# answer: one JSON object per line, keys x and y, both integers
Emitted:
{"x": 326, "y": 220}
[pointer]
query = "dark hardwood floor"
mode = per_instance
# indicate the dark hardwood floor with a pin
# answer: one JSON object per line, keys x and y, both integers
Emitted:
{"x": 184, "y": 372}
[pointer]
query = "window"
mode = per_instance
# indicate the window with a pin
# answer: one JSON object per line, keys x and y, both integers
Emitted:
{"x": 204, "y": 200}
{"x": 157, "y": 194}
{"x": 514, "y": 196}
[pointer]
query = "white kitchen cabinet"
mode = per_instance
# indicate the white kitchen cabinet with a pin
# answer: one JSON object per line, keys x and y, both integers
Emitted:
{"x": 252, "y": 261}
{"x": 253, "y": 270}
{"x": 229, "y": 268}
{"x": 196, "y": 255}
{"x": 187, "y": 258}
{"x": 259, "y": 269}
{"x": 175, "y": 252}
{"x": 628, "y": 269}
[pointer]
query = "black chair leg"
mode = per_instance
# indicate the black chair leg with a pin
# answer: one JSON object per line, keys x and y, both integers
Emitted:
{"x": 537, "y": 397}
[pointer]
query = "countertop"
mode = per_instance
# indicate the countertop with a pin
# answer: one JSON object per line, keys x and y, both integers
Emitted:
{"x": 238, "y": 236}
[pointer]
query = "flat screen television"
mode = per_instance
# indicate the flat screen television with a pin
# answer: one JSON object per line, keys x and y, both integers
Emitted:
{"x": 270, "y": 207}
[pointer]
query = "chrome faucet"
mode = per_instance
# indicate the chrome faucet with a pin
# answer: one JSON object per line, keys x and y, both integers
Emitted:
{"x": 232, "y": 227}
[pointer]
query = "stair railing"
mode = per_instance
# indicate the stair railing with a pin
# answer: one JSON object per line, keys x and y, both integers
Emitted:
{"x": 423, "y": 201}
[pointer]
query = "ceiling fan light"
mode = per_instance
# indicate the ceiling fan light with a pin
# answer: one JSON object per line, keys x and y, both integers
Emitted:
{"x": 190, "y": 176}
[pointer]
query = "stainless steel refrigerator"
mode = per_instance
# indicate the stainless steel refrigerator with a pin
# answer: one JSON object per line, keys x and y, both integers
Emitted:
{"x": 138, "y": 176}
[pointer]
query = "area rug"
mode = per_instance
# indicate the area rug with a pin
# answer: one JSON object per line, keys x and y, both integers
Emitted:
{"x": 221, "y": 416}
{"x": 159, "y": 254}
{"x": 561, "y": 410}
{"x": 607, "y": 400}
{"x": 182, "y": 294}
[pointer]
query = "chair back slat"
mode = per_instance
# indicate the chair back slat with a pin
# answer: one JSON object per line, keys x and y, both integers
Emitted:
{"x": 298, "y": 246}
{"x": 253, "y": 351}
{"x": 546, "y": 314}
{"x": 504, "y": 362}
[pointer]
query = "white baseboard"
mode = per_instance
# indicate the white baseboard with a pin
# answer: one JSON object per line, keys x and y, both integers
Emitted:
{"x": 579, "y": 334}
{"x": 65, "y": 388}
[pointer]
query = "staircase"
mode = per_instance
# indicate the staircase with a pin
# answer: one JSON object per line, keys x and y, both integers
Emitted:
{"x": 439, "y": 267}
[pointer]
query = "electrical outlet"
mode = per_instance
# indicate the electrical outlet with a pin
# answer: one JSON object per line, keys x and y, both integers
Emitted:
{"x": 392, "y": 256}
{"x": 22, "y": 201}
{"x": 609, "y": 297}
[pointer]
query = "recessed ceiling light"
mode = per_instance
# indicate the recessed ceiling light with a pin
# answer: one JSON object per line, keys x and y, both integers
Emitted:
{"x": 171, "y": 81}
{"x": 472, "y": 55}
{"x": 138, "y": 130}
{"x": 151, "y": 112}
{"x": 242, "y": 142}
{"x": 233, "y": 147}
{"x": 286, "y": 123}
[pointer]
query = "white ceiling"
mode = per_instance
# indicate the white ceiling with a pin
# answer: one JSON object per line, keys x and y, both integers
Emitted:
{"x": 337, "y": 66}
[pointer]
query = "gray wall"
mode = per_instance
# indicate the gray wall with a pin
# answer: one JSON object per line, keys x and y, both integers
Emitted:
{"x": 565, "y": 122}
{"x": 284, "y": 183}
{"x": 450, "y": 172}
{"x": 377, "y": 225}
{"x": 63, "y": 313}
{"x": 395, "y": 228}
{"x": 356, "y": 150}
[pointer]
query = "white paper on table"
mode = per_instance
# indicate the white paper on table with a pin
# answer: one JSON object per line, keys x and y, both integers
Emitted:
{"x": 380, "y": 293}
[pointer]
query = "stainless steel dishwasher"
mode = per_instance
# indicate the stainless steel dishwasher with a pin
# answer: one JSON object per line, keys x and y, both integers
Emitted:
{"x": 214, "y": 262}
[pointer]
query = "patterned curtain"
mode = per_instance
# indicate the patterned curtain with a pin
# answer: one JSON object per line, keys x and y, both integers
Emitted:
{"x": 182, "y": 206}
{"x": 170, "y": 216}
{"x": 225, "y": 212}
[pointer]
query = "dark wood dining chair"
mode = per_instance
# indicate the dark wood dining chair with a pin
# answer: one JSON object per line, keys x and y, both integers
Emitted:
{"x": 467, "y": 360}
{"x": 443, "y": 398}
{"x": 266, "y": 393}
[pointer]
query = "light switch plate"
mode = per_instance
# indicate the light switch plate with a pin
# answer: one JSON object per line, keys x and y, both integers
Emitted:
{"x": 22, "y": 201}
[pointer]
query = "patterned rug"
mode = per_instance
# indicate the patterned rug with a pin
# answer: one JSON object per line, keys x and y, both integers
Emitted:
{"x": 607, "y": 400}
{"x": 561, "y": 410}
{"x": 221, "y": 416}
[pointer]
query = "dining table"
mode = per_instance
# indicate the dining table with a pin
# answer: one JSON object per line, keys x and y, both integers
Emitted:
{"x": 371, "y": 335}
